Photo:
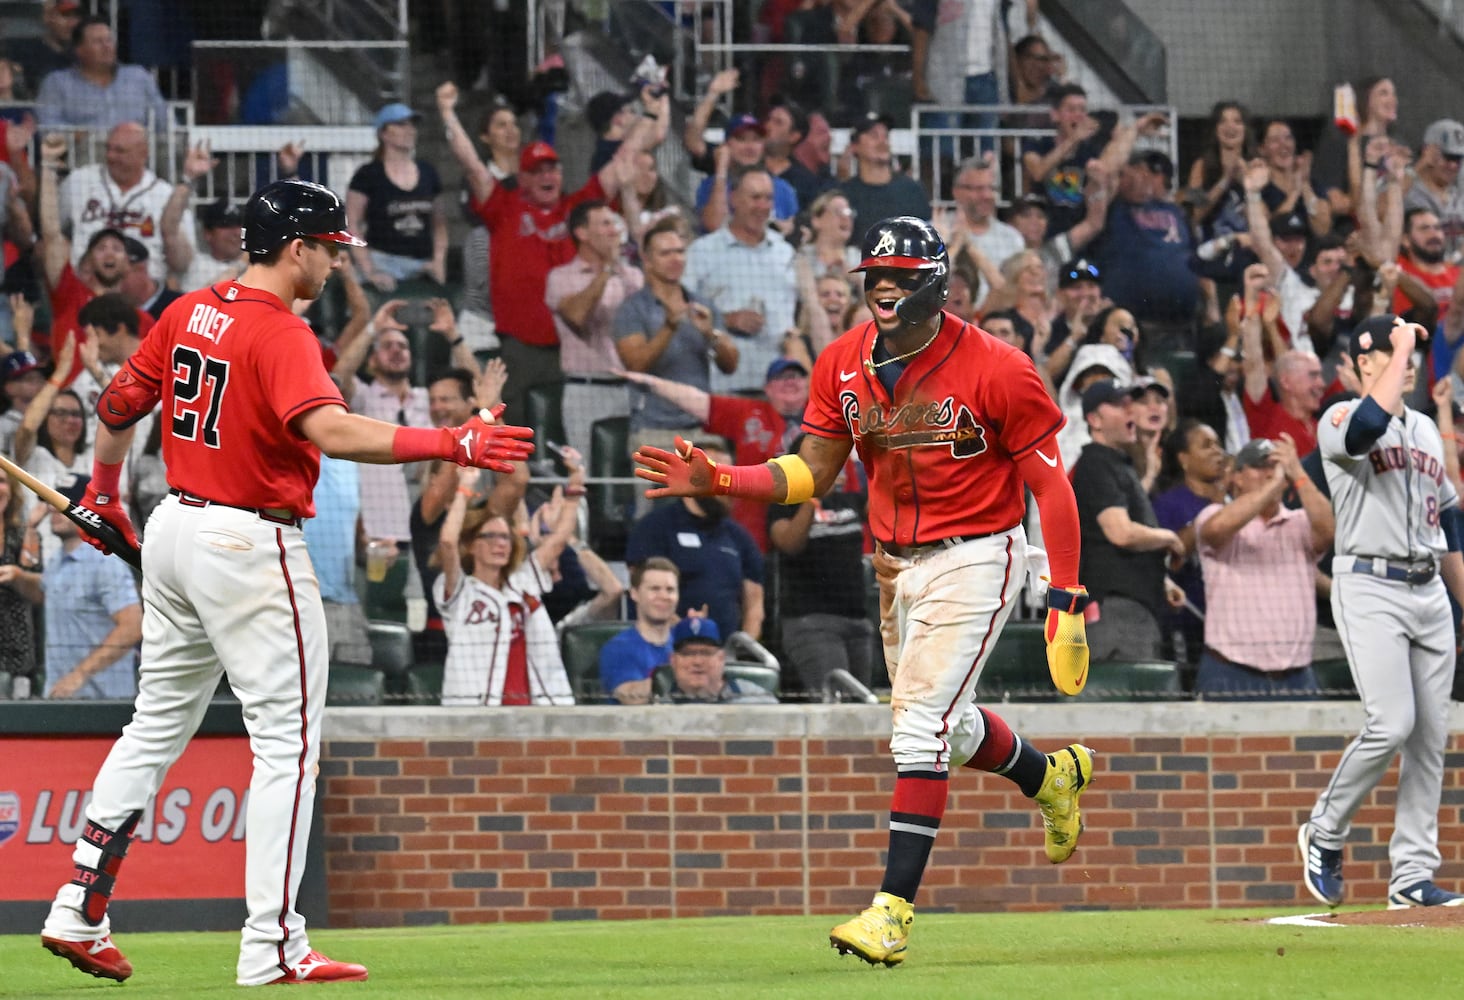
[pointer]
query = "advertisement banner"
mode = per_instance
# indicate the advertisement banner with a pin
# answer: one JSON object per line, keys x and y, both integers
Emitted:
{"x": 189, "y": 844}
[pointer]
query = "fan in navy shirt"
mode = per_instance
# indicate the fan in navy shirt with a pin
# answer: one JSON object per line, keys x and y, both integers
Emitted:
{"x": 1147, "y": 245}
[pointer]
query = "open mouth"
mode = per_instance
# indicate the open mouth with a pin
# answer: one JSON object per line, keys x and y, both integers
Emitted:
{"x": 884, "y": 306}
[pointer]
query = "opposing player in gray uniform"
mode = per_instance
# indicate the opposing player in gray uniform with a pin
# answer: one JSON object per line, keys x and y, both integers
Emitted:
{"x": 1396, "y": 551}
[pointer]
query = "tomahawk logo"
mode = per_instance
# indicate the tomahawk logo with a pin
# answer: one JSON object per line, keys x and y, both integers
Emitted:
{"x": 9, "y": 815}
{"x": 886, "y": 245}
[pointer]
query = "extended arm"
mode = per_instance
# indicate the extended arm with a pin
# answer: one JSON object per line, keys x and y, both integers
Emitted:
{"x": 475, "y": 171}
{"x": 695, "y": 401}
{"x": 686, "y": 472}
{"x": 1126, "y": 533}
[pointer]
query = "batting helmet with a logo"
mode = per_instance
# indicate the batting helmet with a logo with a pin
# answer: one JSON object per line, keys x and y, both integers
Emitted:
{"x": 291, "y": 209}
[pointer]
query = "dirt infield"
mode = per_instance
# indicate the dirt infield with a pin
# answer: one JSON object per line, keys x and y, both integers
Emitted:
{"x": 1418, "y": 916}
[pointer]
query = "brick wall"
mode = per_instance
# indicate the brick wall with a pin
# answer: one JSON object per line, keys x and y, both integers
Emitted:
{"x": 438, "y": 830}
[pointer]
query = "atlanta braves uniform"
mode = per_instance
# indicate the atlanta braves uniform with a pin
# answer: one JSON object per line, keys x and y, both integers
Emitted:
{"x": 1392, "y": 614}
{"x": 945, "y": 506}
{"x": 487, "y": 628}
{"x": 228, "y": 587}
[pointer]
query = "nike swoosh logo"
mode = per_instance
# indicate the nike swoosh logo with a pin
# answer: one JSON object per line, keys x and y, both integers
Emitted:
{"x": 891, "y": 943}
{"x": 1050, "y": 462}
{"x": 846, "y": 376}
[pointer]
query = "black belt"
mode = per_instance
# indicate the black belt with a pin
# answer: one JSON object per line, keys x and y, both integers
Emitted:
{"x": 275, "y": 515}
{"x": 911, "y": 551}
{"x": 593, "y": 379}
{"x": 1413, "y": 574}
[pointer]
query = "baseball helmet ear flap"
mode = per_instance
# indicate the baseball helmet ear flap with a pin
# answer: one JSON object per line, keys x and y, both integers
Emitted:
{"x": 927, "y": 300}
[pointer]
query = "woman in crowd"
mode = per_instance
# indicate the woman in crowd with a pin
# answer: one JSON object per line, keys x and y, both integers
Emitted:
{"x": 831, "y": 222}
{"x": 1216, "y": 197}
{"x": 1118, "y": 328}
{"x": 502, "y": 649}
{"x": 393, "y": 204}
{"x": 1025, "y": 292}
{"x": 1338, "y": 169}
{"x": 1152, "y": 419}
{"x": 646, "y": 200}
{"x": 823, "y": 302}
{"x": 1193, "y": 477}
{"x": 17, "y": 614}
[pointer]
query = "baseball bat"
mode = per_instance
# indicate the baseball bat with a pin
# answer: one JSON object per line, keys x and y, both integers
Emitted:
{"x": 86, "y": 520}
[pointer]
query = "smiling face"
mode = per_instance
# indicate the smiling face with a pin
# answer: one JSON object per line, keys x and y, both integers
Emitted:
{"x": 833, "y": 298}
{"x": 543, "y": 184}
{"x": 1203, "y": 457}
{"x": 752, "y": 202}
{"x": 745, "y": 147}
{"x": 1278, "y": 146}
{"x": 665, "y": 257}
{"x": 502, "y": 136}
{"x": 656, "y": 597}
{"x": 392, "y": 354}
{"x": 884, "y": 289}
{"x": 834, "y": 223}
{"x": 446, "y": 403}
{"x": 491, "y": 548}
{"x": 788, "y": 393}
{"x": 975, "y": 194}
{"x": 1382, "y": 103}
{"x": 1120, "y": 330}
{"x": 1230, "y": 128}
{"x": 699, "y": 668}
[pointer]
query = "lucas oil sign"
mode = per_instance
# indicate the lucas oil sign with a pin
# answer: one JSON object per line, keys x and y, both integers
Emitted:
{"x": 188, "y": 845}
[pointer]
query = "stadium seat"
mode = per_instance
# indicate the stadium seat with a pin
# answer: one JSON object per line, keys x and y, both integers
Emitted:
{"x": 353, "y": 686}
{"x": 6, "y": 684}
{"x": 1016, "y": 670}
{"x": 387, "y": 600}
{"x": 581, "y": 646}
{"x": 1137, "y": 680}
{"x": 1180, "y": 364}
{"x": 391, "y": 652}
{"x": 611, "y": 506}
{"x": 1334, "y": 677}
{"x": 761, "y": 675}
{"x": 424, "y": 684}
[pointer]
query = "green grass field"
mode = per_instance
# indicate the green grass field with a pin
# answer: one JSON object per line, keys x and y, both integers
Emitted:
{"x": 1149, "y": 955}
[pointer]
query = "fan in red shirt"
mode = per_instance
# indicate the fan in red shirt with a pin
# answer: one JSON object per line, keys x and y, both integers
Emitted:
{"x": 530, "y": 237}
{"x": 1427, "y": 282}
{"x": 951, "y": 424}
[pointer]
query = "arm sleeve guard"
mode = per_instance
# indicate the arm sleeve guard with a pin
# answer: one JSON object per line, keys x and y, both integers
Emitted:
{"x": 127, "y": 399}
{"x": 1059, "y": 512}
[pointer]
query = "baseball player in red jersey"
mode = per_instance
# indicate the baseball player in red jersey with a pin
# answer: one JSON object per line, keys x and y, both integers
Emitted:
{"x": 227, "y": 583}
{"x": 950, "y": 423}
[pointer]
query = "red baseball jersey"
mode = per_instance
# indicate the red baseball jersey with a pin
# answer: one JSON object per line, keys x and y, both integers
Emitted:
{"x": 941, "y": 455}
{"x": 69, "y": 295}
{"x": 233, "y": 366}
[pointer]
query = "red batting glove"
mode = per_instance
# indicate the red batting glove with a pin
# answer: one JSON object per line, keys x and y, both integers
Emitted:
{"x": 685, "y": 472}
{"x": 110, "y": 509}
{"x": 486, "y": 444}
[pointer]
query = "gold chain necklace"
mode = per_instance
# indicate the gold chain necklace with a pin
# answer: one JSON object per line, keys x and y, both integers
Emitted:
{"x": 870, "y": 365}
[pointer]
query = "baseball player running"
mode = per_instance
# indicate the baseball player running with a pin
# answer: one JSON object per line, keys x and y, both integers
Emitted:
{"x": 1395, "y": 541}
{"x": 227, "y": 583}
{"x": 949, "y": 422}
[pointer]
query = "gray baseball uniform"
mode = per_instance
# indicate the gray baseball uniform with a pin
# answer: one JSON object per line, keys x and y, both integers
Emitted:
{"x": 1393, "y": 616}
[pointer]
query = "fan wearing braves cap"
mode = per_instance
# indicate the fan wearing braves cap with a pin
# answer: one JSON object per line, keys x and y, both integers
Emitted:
{"x": 1397, "y": 561}
{"x": 528, "y": 227}
{"x": 951, "y": 425}
{"x": 250, "y": 410}
{"x": 744, "y": 148}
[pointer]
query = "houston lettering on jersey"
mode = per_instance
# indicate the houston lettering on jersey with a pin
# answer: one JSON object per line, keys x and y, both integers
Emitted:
{"x": 1393, "y": 458}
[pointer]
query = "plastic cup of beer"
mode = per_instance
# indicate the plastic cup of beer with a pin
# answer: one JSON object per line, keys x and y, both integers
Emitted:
{"x": 380, "y": 554}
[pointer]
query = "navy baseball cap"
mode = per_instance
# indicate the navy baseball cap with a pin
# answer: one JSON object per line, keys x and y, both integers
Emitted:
{"x": 76, "y": 489}
{"x": 745, "y": 123}
{"x": 1372, "y": 334}
{"x": 781, "y": 365}
{"x": 1078, "y": 270}
{"x": 17, "y": 363}
{"x": 136, "y": 250}
{"x": 700, "y": 630}
{"x": 1106, "y": 391}
{"x": 869, "y": 121}
{"x": 1289, "y": 224}
{"x": 1144, "y": 383}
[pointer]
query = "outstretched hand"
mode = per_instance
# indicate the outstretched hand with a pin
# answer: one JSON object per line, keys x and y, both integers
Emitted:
{"x": 486, "y": 444}
{"x": 685, "y": 472}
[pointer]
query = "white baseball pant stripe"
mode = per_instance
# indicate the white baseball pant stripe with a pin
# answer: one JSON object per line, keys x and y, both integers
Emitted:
{"x": 1400, "y": 643}
{"x": 941, "y": 615}
{"x": 225, "y": 591}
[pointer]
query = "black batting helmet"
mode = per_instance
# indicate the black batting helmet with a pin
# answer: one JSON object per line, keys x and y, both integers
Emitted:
{"x": 908, "y": 243}
{"x": 289, "y": 209}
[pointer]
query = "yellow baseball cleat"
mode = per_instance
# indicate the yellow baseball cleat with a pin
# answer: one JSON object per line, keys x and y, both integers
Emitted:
{"x": 1069, "y": 772}
{"x": 878, "y": 935}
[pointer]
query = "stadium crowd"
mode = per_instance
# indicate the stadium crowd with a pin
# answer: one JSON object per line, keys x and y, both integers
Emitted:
{"x": 1190, "y": 319}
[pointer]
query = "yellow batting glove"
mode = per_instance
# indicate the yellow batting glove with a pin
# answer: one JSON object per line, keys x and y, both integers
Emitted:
{"x": 1067, "y": 638}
